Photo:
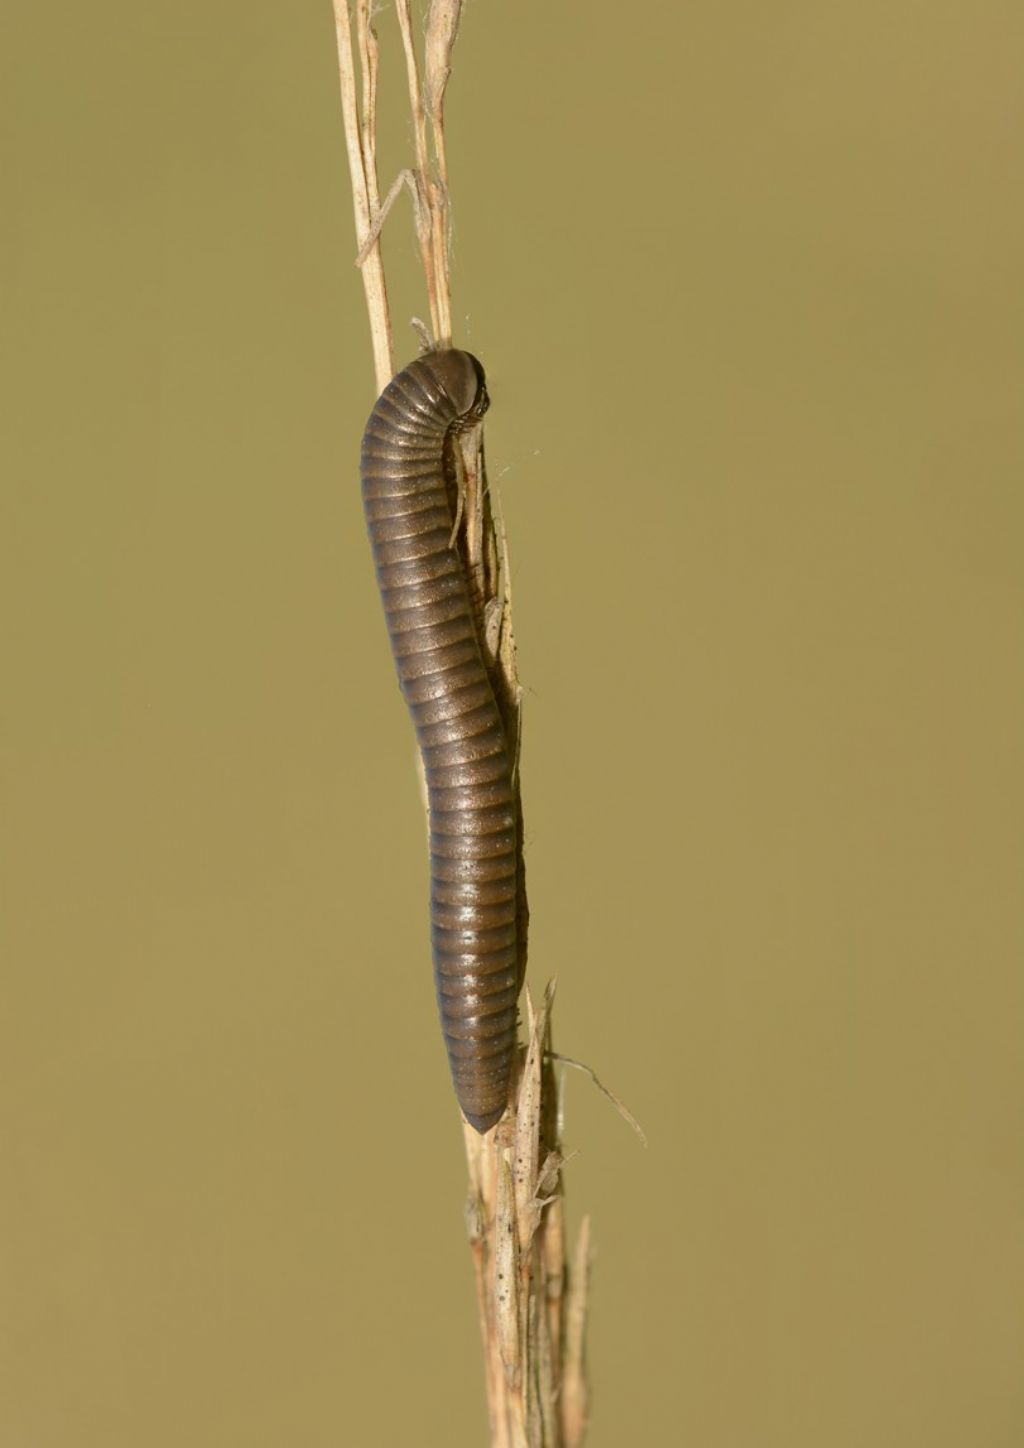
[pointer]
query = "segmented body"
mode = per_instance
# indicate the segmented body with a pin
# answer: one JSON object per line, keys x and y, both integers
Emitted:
{"x": 466, "y": 759}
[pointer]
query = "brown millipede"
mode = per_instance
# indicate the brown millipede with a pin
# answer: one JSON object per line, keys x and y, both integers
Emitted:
{"x": 466, "y": 757}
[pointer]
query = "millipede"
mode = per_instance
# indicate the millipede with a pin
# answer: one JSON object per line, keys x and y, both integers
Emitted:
{"x": 406, "y": 475}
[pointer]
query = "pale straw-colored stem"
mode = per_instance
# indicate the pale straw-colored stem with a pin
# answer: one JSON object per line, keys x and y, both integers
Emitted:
{"x": 442, "y": 29}
{"x": 425, "y": 228}
{"x": 373, "y": 266}
{"x": 531, "y": 1321}
{"x": 368, "y": 63}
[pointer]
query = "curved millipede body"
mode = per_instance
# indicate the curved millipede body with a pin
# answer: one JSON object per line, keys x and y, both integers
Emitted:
{"x": 459, "y": 728}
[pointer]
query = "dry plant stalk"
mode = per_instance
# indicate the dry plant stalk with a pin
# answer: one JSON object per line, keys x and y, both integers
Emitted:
{"x": 532, "y": 1305}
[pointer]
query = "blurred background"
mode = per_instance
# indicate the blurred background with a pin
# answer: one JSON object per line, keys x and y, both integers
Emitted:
{"x": 747, "y": 281}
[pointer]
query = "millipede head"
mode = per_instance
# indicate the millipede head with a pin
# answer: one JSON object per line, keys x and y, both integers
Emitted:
{"x": 462, "y": 377}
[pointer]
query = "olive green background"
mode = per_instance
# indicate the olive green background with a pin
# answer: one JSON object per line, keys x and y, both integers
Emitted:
{"x": 747, "y": 279}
